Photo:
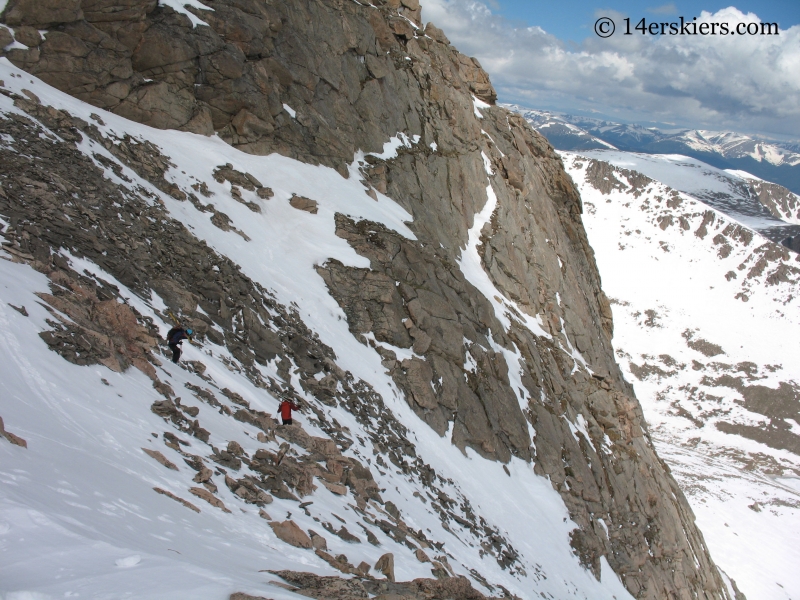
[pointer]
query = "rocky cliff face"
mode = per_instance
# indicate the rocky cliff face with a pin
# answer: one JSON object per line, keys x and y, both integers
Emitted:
{"x": 488, "y": 357}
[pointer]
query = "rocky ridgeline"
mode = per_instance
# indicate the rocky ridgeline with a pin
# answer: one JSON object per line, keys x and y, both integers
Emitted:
{"x": 324, "y": 588}
{"x": 779, "y": 201}
{"x": 319, "y": 81}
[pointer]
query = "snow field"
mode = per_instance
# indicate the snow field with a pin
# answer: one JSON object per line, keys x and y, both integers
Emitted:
{"x": 681, "y": 278}
{"x": 693, "y": 177}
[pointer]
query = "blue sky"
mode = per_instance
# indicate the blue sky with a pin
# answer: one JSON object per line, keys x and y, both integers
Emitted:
{"x": 573, "y": 19}
{"x": 544, "y": 54}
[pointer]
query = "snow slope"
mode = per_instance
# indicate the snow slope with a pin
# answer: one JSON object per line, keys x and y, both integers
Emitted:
{"x": 79, "y": 516}
{"x": 726, "y": 190}
{"x": 706, "y": 319}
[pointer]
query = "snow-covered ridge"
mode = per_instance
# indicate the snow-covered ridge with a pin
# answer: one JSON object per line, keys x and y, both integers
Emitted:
{"x": 768, "y": 159}
{"x": 751, "y": 200}
{"x": 740, "y": 195}
{"x": 725, "y": 143}
{"x": 736, "y": 145}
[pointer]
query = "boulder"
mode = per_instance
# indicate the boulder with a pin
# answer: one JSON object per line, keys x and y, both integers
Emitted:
{"x": 385, "y": 565}
{"x": 336, "y": 488}
{"x": 5, "y": 37}
{"x": 28, "y": 36}
{"x": 289, "y": 532}
{"x": 236, "y": 449}
{"x": 317, "y": 541}
{"x": 421, "y": 556}
{"x": 303, "y": 203}
{"x": 169, "y": 494}
{"x": 209, "y": 497}
{"x": 160, "y": 458}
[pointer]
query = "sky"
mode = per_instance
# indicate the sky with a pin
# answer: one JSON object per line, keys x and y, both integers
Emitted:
{"x": 547, "y": 55}
{"x": 573, "y": 19}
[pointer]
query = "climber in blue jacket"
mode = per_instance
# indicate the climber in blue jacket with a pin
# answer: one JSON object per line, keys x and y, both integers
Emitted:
{"x": 175, "y": 337}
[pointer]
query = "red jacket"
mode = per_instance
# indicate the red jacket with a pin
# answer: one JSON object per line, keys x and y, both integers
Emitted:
{"x": 286, "y": 409}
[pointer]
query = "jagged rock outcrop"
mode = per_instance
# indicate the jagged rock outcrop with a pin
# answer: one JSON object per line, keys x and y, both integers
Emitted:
{"x": 320, "y": 81}
{"x": 779, "y": 201}
{"x": 314, "y": 586}
{"x": 235, "y": 77}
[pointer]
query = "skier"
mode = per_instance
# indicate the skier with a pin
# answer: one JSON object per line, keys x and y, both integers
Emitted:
{"x": 175, "y": 337}
{"x": 285, "y": 410}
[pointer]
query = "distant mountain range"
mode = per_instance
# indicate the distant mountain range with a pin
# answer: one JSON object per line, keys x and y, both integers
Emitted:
{"x": 769, "y": 160}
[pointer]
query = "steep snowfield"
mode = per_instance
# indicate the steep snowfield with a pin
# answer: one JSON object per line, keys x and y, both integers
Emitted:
{"x": 78, "y": 513}
{"x": 726, "y": 191}
{"x": 707, "y": 322}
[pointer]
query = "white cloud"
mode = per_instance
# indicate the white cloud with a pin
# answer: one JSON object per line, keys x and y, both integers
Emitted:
{"x": 723, "y": 81}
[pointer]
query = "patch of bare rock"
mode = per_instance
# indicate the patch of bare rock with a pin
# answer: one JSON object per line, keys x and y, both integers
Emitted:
{"x": 329, "y": 588}
{"x": 14, "y": 439}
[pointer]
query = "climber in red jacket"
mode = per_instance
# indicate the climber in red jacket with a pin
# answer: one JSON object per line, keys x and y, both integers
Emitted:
{"x": 285, "y": 409}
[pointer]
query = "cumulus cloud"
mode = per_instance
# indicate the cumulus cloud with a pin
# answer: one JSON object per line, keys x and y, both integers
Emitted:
{"x": 746, "y": 83}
